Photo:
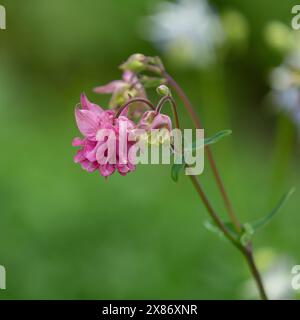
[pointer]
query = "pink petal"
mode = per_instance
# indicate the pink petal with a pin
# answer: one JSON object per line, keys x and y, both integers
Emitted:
{"x": 110, "y": 87}
{"x": 87, "y": 122}
{"x": 79, "y": 156}
{"x": 90, "y": 152}
{"x": 87, "y": 105}
{"x": 128, "y": 76}
{"x": 151, "y": 120}
{"x": 107, "y": 170}
{"x": 162, "y": 121}
{"x": 89, "y": 166}
{"x": 77, "y": 142}
{"x": 146, "y": 120}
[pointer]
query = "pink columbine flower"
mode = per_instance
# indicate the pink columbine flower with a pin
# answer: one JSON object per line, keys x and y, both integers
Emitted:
{"x": 153, "y": 120}
{"x": 92, "y": 120}
{"x": 122, "y": 90}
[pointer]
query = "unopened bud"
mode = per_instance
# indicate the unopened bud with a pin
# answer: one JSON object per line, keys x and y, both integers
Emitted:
{"x": 163, "y": 90}
{"x": 135, "y": 63}
{"x": 150, "y": 82}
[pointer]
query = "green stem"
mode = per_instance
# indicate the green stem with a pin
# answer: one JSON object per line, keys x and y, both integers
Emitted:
{"x": 255, "y": 273}
{"x": 133, "y": 100}
{"x": 173, "y": 105}
{"x": 212, "y": 162}
{"x": 246, "y": 251}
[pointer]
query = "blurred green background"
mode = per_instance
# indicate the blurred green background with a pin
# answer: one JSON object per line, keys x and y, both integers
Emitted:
{"x": 67, "y": 234}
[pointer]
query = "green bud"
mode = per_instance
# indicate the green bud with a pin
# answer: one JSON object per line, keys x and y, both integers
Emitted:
{"x": 163, "y": 90}
{"x": 150, "y": 82}
{"x": 135, "y": 63}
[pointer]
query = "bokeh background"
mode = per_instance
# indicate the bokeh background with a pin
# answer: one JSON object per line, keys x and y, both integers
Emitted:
{"x": 67, "y": 234}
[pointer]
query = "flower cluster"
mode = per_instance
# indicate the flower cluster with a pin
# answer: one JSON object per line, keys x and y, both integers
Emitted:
{"x": 129, "y": 86}
{"x": 90, "y": 119}
{"x": 93, "y": 121}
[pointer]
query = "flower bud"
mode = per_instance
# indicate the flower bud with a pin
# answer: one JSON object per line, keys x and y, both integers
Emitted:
{"x": 150, "y": 82}
{"x": 135, "y": 63}
{"x": 163, "y": 90}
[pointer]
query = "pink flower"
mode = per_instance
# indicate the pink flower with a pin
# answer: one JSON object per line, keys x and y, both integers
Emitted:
{"x": 93, "y": 122}
{"x": 121, "y": 90}
{"x": 153, "y": 120}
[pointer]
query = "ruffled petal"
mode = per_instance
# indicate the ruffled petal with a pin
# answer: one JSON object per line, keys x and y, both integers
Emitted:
{"x": 107, "y": 170}
{"x": 77, "y": 142}
{"x": 89, "y": 166}
{"x": 87, "y": 122}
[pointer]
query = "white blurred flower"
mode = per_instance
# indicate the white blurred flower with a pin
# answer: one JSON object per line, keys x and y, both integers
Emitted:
{"x": 189, "y": 31}
{"x": 285, "y": 83}
{"x": 276, "y": 276}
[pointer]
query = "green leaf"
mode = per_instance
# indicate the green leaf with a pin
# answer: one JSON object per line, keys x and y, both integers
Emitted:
{"x": 211, "y": 226}
{"x": 176, "y": 168}
{"x": 215, "y": 138}
{"x": 265, "y": 220}
{"x": 247, "y": 234}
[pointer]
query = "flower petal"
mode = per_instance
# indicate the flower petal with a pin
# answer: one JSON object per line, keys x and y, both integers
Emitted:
{"x": 87, "y": 105}
{"x": 107, "y": 170}
{"x": 110, "y": 87}
{"x": 128, "y": 76}
{"x": 77, "y": 142}
{"x": 89, "y": 166}
{"x": 87, "y": 122}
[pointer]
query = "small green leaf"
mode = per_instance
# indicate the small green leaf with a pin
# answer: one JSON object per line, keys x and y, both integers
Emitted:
{"x": 211, "y": 226}
{"x": 265, "y": 220}
{"x": 215, "y": 138}
{"x": 176, "y": 168}
{"x": 247, "y": 234}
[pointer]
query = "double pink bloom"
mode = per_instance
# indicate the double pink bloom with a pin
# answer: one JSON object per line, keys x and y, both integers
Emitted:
{"x": 92, "y": 119}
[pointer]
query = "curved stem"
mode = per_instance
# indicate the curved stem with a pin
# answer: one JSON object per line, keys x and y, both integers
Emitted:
{"x": 174, "y": 108}
{"x": 247, "y": 252}
{"x": 212, "y": 162}
{"x": 147, "y": 102}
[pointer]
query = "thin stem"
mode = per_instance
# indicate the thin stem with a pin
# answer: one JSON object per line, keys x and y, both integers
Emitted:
{"x": 215, "y": 170}
{"x": 174, "y": 108}
{"x": 147, "y": 102}
{"x": 210, "y": 209}
{"x": 246, "y": 251}
{"x": 251, "y": 263}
